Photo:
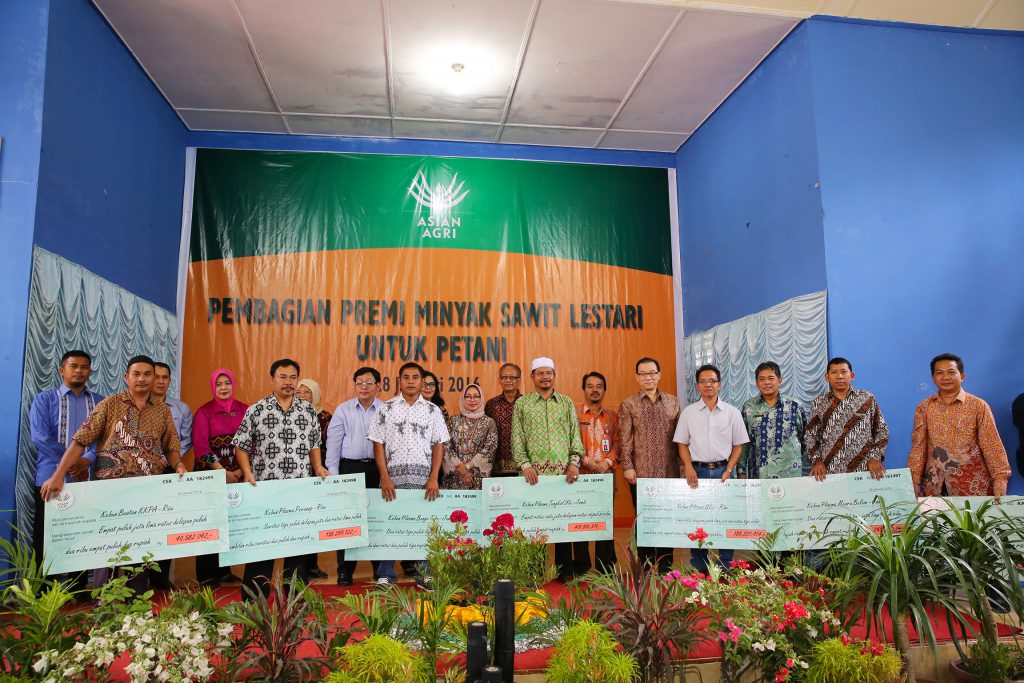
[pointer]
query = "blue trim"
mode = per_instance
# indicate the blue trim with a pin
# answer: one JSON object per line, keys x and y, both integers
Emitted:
{"x": 910, "y": 25}
{"x": 488, "y": 150}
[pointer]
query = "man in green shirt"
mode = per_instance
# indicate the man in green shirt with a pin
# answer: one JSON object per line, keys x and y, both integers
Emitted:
{"x": 546, "y": 440}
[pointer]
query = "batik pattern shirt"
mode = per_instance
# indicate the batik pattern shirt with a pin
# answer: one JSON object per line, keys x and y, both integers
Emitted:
{"x": 776, "y": 448}
{"x": 646, "y": 428}
{"x": 957, "y": 444}
{"x": 500, "y": 410}
{"x": 408, "y": 434}
{"x": 546, "y": 434}
{"x": 845, "y": 433}
{"x": 130, "y": 442}
{"x": 599, "y": 433}
{"x": 278, "y": 441}
{"x": 473, "y": 444}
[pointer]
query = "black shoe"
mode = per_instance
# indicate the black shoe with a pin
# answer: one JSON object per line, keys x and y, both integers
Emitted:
{"x": 565, "y": 577}
{"x": 344, "y": 580}
{"x": 230, "y": 578}
{"x": 212, "y": 584}
{"x": 316, "y": 573}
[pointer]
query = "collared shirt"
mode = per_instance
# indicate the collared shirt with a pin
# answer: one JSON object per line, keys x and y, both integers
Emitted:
{"x": 846, "y": 433}
{"x": 599, "y": 433}
{"x": 776, "y": 448}
{"x": 346, "y": 434}
{"x": 212, "y": 430}
{"x": 408, "y": 434}
{"x": 957, "y": 444}
{"x": 278, "y": 441}
{"x": 546, "y": 433}
{"x": 182, "y": 415}
{"x": 130, "y": 442}
{"x": 500, "y": 410}
{"x": 55, "y": 416}
{"x": 646, "y": 427}
{"x": 710, "y": 434}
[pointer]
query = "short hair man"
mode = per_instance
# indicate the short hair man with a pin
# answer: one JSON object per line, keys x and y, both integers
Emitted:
{"x": 775, "y": 425}
{"x": 599, "y": 432}
{"x": 956, "y": 446}
{"x": 546, "y": 440}
{"x": 55, "y": 416}
{"x": 350, "y": 452}
{"x": 647, "y": 421}
{"x": 499, "y": 409}
{"x": 279, "y": 438}
{"x": 846, "y": 431}
{"x": 710, "y": 436}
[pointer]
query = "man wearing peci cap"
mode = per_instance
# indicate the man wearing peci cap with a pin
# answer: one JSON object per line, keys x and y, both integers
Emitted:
{"x": 546, "y": 440}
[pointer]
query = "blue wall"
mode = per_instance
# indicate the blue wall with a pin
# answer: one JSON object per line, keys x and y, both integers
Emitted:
{"x": 749, "y": 204}
{"x": 113, "y": 159}
{"x": 23, "y": 59}
{"x": 917, "y": 137}
{"x": 921, "y": 146}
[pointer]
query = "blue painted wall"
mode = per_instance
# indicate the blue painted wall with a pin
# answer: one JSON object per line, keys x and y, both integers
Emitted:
{"x": 921, "y": 148}
{"x": 112, "y": 170}
{"x": 23, "y": 29}
{"x": 749, "y": 205}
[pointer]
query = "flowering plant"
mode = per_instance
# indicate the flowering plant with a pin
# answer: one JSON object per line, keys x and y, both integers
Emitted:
{"x": 170, "y": 649}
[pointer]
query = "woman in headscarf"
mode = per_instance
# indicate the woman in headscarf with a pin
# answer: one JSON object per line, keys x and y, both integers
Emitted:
{"x": 469, "y": 455}
{"x": 214, "y": 426}
{"x": 309, "y": 390}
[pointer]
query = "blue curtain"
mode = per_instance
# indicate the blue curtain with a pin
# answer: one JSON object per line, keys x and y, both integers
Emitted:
{"x": 794, "y": 334}
{"x": 72, "y": 308}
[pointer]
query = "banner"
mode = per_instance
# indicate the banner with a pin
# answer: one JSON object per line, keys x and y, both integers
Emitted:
{"x": 341, "y": 260}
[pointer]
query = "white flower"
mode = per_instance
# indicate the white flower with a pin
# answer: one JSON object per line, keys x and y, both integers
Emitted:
{"x": 758, "y": 646}
{"x": 770, "y": 644}
{"x": 803, "y": 665}
{"x": 41, "y": 663}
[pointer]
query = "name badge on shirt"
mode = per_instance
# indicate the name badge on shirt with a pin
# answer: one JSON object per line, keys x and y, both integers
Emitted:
{"x": 606, "y": 445}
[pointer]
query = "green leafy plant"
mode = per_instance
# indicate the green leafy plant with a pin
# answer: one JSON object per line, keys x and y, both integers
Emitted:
{"x": 367, "y": 613}
{"x": 995, "y": 662}
{"x": 378, "y": 659}
{"x": 427, "y": 620}
{"x": 36, "y": 620}
{"x": 116, "y": 599}
{"x": 843, "y": 660}
{"x": 588, "y": 653}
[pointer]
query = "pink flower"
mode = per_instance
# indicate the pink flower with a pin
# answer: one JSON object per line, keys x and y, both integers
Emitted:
{"x": 691, "y": 582}
{"x": 459, "y": 517}
{"x": 504, "y": 520}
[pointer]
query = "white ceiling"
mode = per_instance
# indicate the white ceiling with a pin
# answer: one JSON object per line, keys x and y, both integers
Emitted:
{"x": 610, "y": 74}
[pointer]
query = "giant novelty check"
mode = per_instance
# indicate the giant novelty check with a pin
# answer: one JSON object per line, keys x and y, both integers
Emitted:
{"x": 739, "y": 512}
{"x": 581, "y": 511}
{"x": 398, "y": 528}
{"x": 88, "y": 523}
{"x": 287, "y": 517}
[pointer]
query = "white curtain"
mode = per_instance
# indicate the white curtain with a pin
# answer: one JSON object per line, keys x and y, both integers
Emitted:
{"x": 72, "y": 308}
{"x": 794, "y": 334}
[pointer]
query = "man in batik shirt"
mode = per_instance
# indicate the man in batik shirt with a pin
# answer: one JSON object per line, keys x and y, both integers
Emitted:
{"x": 956, "y": 447}
{"x": 500, "y": 410}
{"x": 846, "y": 431}
{"x": 775, "y": 425}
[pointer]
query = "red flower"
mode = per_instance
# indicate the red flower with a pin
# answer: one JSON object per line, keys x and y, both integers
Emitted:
{"x": 459, "y": 517}
{"x": 505, "y": 520}
{"x": 698, "y": 535}
{"x": 740, "y": 564}
{"x": 488, "y": 532}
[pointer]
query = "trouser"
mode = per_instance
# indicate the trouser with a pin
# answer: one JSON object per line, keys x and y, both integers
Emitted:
{"x": 563, "y": 560}
{"x": 259, "y": 574}
{"x": 699, "y": 556}
{"x": 662, "y": 557}
{"x": 208, "y": 569}
{"x": 347, "y": 568}
{"x": 604, "y": 556}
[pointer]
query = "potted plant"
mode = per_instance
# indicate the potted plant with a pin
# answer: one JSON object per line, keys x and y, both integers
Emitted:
{"x": 588, "y": 653}
{"x": 843, "y": 659}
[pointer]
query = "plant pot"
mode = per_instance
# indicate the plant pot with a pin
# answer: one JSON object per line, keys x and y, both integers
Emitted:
{"x": 961, "y": 674}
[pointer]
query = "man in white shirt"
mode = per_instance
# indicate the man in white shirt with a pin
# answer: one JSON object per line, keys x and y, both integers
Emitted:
{"x": 710, "y": 436}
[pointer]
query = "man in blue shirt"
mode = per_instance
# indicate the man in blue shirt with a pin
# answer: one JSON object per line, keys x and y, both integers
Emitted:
{"x": 55, "y": 416}
{"x": 350, "y": 452}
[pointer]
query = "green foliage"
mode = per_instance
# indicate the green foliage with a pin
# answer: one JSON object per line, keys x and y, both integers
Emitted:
{"x": 427, "y": 620}
{"x": 8, "y": 678}
{"x": 995, "y": 662}
{"x": 369, "y": 613}
{"x": 587, "y": 654}
{"x": 836, "y": 661}
{"x": 115, "y": 599}
{"x": 378, "y": 659}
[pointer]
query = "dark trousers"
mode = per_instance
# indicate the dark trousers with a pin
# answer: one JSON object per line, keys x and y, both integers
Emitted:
{"x": 604, "y": 556}
{"x": 259, "y": 574}
{"x": 563, "y": 560}
{"x": 650, "y": 555}
{"x": 368, "y": 468}
{"x": 208, "y": 569}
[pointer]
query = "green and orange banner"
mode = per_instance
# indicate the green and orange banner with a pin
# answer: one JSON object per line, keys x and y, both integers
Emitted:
{"x": 459, "y": 264}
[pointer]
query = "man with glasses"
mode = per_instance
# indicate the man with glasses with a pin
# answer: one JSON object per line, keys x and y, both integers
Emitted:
{"x": 710, "y": 435}
{"x": 350, "y": 452}
{"x": 775, "y": 425}
{"x": 846, "y": 431}
{"x": 500, "y": 410}
{"x": 647, "y": 420}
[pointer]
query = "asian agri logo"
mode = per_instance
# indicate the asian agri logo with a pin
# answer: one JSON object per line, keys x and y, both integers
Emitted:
{"x": 234, "y": 498}
{"x": 776, "y": 492}
{"x": 438, "y": 201}
{"x": 651, "y": 491}
{"x": 64, "y": 499}
{"x": 496, "y": 491}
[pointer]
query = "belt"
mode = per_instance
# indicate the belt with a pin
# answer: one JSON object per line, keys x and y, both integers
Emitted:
{"x": 359, "y": 459}
{"x": 710, "y": 465}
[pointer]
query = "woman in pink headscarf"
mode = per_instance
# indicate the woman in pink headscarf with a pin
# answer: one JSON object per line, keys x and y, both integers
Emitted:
{"x": 214, "y": 426}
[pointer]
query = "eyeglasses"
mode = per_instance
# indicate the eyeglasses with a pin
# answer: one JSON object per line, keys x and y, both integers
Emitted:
{"x": 648, "y": 374}
{"x": 365, "y": 385}
{"x": 430, "y": 385}
{"x": 508, "y": 378}
{"x": 708, "y": 381}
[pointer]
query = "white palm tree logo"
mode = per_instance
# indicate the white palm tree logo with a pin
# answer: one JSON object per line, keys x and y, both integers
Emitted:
{"x": 439, "y": 199}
